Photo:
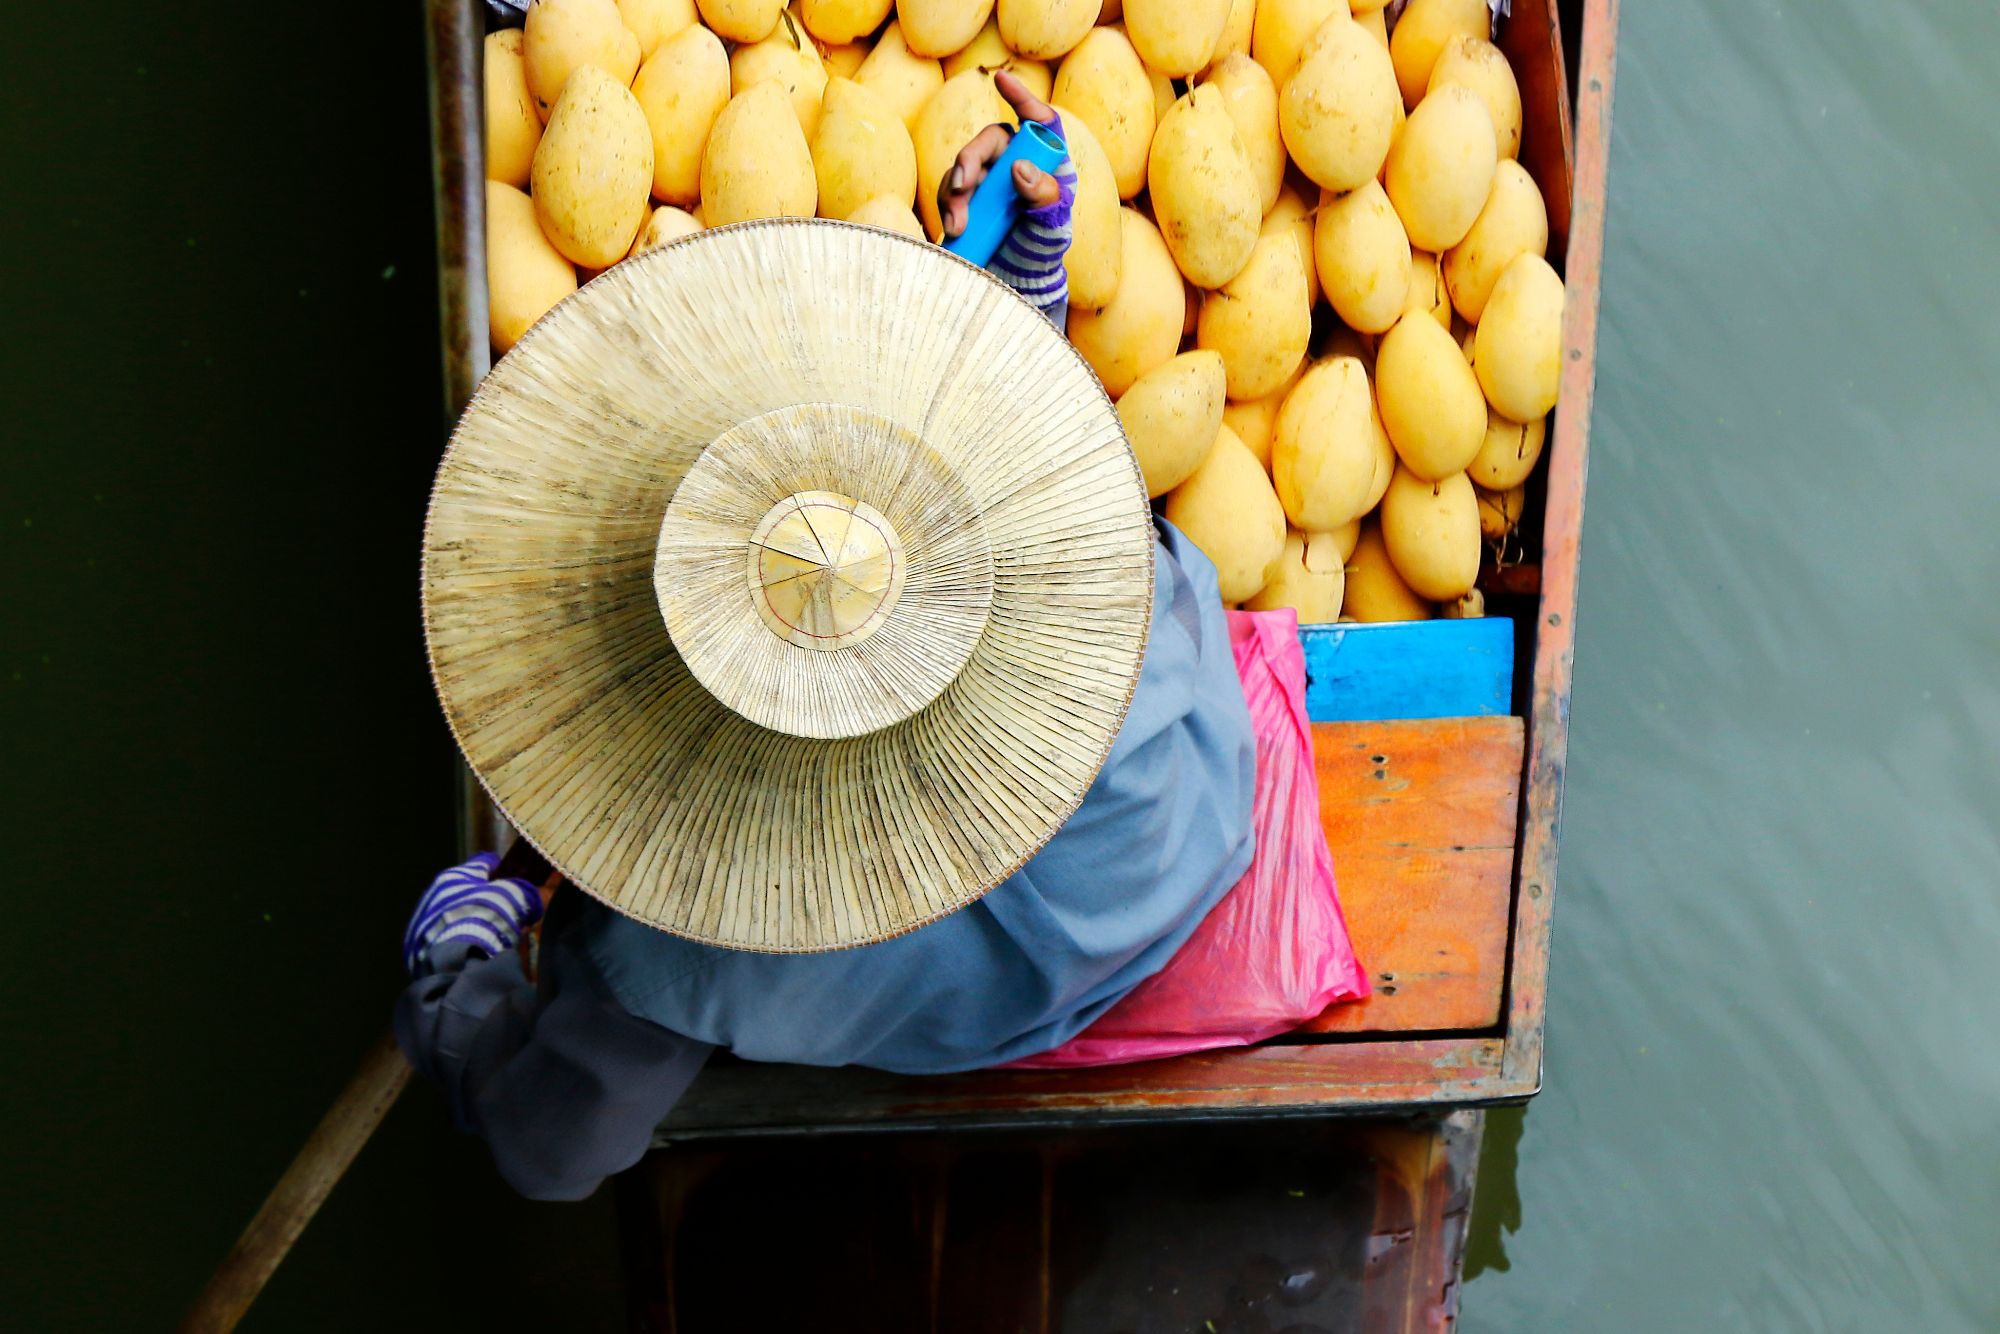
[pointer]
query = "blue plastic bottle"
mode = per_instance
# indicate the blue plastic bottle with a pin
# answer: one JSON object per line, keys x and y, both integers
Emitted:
{"x": 994, "y": 205}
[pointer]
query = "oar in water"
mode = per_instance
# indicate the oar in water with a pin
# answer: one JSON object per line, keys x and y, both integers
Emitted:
{"x": 325, "y": 1157}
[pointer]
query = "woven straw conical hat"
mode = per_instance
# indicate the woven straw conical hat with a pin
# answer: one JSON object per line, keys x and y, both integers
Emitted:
{"x": 787, "y": 586}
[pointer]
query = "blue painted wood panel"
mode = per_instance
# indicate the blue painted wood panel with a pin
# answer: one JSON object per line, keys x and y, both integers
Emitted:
{"x": 1414, "y": 669}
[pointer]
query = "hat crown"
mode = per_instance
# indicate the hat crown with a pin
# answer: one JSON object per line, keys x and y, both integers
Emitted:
{"x": 825, "y": 570}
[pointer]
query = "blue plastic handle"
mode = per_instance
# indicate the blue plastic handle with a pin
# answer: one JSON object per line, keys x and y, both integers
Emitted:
{"x": 994, "y": 205}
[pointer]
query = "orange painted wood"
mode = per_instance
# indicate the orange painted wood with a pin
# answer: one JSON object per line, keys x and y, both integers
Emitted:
{"x": 1420, "y": 817}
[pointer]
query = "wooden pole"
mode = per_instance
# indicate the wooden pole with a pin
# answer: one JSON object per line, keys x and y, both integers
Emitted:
{"x": 347, "y": 1125}
{"x": 326, "y": 1155}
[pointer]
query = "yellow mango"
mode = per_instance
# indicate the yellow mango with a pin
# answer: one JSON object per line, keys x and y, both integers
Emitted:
{"x": 1508, "y": 453}
{"x": 1172, "y": 414}
{"x": 1104, "y": 82}
{"x": 1322, "y": 452}
{"x": 682, "y": 88}
{"x": 1375, "y": 592}
{"x": 1175, "y": 37}
{"x": 891, "y": 214}
{"x": 1513, "y": 222}
{"x": 512, "y": 127}
{"x": 939, "y": 28}
{"x": 1431, "y": 405}
{"x": 653, "y": 21}
{"x": 1260, "y": 320}
{"x": 525, "y": 275}
{"x": 1422, "y": 33}
{"x": 1346, "y": 537}
{"x": 1045, "y": 29}
{"x": 561, "y": 36}
{"x": 593, "y": 169}
{"x": 967, "y": 104}
{"x": 1360, "y": 7}
{"x": 1375, "y": 25}
{"x": 1251, "y": 100}
{"x": 788, "y": 58}
{"x": 1481, "y": 66}
{"x": 741, "y": 20}
{"x": 1432, "y": 532}
{"x": 838, "y": 22}
{"x": 1238, "y": 30}
{"x": 1386, "y": 461}
{"x": 1094, "y": 247}
{"x": 905, "y": 81}
{"x": 1140, "y": 327}
{"x": 1441, "y": 168}
{"x": 1164, "y": 95}
{"x": 1281, "y": 29}
{"x": 1338, "y": 112}
{"x": 988, "y": 52}
{"x": 1228, "y": 510}
{"x": 1309, "y": 579}
{"x": 1428, "y": 293}
{"x": 860, "y": 150}
{"x": 1203, "y": 191}
{"x": 1255, "y": 420}
{"x": 1499, "y": 511}
{"x": 667, "y": 224}
{"x": 1363, "y": 258}
{"x": 844, "y": 62}
{"x": 756, "y": 164}
{"x": 1293, "y": 213}
{"x": 1517, "y": 350}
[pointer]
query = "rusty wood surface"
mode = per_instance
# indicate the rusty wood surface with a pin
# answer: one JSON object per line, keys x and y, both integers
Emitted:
{"x": 1347, "y": 1226}
{"x": 1532, "y": 39}
{"x": 1555, "y": 639}
{"x": 1423, "y": 1202}
{"x": 1298, "y": 1078}
{"x": 458, "y": 147}
{"x": 1420, "y": 817}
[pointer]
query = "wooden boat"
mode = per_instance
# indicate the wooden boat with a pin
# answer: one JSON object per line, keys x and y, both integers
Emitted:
{"x": 1444, "y": 832}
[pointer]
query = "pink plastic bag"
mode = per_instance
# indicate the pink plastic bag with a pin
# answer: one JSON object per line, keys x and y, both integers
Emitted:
{"x": 1274, "y": 952}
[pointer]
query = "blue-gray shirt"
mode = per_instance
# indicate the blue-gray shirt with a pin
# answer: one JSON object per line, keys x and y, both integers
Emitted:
{"x": 567, "y": 1081}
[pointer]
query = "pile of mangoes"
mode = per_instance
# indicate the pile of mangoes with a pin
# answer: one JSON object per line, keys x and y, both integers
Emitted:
{"x": 1240, "y": 162}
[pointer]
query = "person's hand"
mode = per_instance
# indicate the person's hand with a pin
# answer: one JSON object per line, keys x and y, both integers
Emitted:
{"x": 1036, "y": 187}
{"x": 464, "y": 904}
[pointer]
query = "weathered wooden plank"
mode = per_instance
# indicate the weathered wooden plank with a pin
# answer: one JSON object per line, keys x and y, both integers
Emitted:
{"x": 1415, "y": 669}
{"x": 1420, "y": 817}
{"x": 1321, "y": 1078}
{"x": 1562, "y": 529}
{"x": 1354, "y": 1226}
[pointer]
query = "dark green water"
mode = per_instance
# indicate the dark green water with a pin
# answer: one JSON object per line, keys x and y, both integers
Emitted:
{"x": 1773, "y": 1094}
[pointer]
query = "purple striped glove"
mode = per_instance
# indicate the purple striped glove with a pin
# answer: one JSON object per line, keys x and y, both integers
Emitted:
{"x": 1030, "y": 260}
{"x": 466, "y": 906}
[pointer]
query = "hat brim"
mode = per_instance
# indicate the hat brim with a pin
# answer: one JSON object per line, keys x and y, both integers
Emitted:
{"x": 565, "y": 690}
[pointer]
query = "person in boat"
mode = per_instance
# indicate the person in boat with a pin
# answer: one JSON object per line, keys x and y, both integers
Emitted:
{"x": 566, "y": 1078}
